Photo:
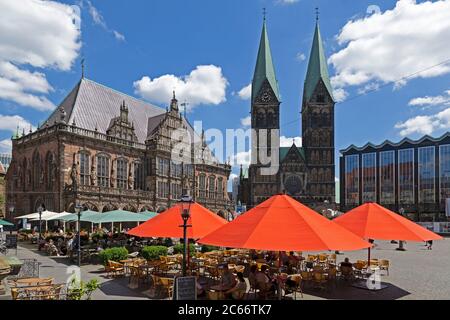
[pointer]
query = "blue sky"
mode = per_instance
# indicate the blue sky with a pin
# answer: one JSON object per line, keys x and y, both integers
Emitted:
{"x": 125, "y": 41}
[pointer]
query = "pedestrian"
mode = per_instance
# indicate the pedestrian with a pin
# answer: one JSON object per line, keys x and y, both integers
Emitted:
{"x": 430, "y": 245}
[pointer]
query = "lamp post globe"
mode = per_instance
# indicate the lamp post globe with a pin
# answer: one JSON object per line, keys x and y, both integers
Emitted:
{"x": 185, "y": 206}
{"x": 78, "y": 210}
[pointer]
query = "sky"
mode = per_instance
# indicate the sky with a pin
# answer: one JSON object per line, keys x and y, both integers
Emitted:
{"x": 389, "y": 61}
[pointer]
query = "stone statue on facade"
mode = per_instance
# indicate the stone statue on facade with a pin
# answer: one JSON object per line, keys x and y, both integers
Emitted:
{"x": 130, "y": 178}
{"x": 74, "y": 174}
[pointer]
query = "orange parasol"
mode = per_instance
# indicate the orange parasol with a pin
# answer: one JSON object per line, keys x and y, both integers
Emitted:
{"x": 284, "y": 224}
{"x": 372, "y": 221}
{"x": 167, "y": 224}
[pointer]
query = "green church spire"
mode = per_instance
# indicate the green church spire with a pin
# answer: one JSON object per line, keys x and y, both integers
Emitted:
{"x": 317, "y": 67}
{"x": 264, "y": 67}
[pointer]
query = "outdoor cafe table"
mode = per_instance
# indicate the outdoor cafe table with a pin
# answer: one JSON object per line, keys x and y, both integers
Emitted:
{"x": 13, "y": 262}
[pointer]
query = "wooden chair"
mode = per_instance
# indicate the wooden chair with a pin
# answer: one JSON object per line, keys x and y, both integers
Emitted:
{"x": 114, "y": 269}
{"x": 297, "y": 285}
{"x": 332, "y": 258}
{"x": 384, "y": 265}
{"x": 319, "y": 279}
{"x": 167, "y": 285}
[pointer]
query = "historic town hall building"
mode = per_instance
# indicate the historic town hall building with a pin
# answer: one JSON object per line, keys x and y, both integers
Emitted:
{"x": 307, "y": 172}
{"x": 107, "y": 150}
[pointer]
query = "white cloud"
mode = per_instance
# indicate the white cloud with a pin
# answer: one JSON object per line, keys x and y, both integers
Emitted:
{"x": 98, "y": 19}
{"x": 287, "y": 142}
{"x": 39, "y": 34}
{"x": 247, "y": 121}
{"x": 246, "y": 92}
{"x": 243, "y": 158}
{"x": 300, "y": 56}
{"x": 5, "y": 146}
{"x": 425, "y": 124}
{"x": 429, "y": 101}
{"x": 287, "y": 1}
{"x": 385, "y": 47}
{"x": 118, "y": 35}
{"x": 340, "y": 95}
{"x": 10, "y": 123}
{"x": 204, "y": 85}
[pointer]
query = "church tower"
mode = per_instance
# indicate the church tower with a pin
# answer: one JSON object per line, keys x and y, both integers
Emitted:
{"x": 318, "y": 125}
{"x": 265, "y": 116}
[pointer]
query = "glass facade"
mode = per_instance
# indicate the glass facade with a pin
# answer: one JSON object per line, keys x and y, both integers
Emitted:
{"x": 444, "y": 171}
{"x": 387, "y": 177}
{"x": 426, "y": 175}
{"x": 369, "y": 177}
{"x": 352, "y": 179}
{"x": 406, "y": 176}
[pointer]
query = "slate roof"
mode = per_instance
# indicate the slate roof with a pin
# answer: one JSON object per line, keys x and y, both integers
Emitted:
{"x": 264, "y": 67}
{"x": 317, "y": 67}
{"x": 92, "y": 105}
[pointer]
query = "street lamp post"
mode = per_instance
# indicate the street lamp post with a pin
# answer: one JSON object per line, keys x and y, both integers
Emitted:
{"x": 78, "y": 209}
{"x": 185, "y": 204}
{"x": 40, "y": 209}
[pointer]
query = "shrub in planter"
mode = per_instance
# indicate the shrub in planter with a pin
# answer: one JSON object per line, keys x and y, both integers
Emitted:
{"x": 153, "y": 252}
{"x": 180, "y": 247}
{"x": 114, "y": 254}
{"x": 208, "y": 248}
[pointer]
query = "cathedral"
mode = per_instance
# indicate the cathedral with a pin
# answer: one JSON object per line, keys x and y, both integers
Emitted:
{"x": 304, "y": 172}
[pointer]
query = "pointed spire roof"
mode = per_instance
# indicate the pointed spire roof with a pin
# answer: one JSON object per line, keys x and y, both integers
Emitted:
{"x": 264, "y": 67}
{"x": 317, "y": 67}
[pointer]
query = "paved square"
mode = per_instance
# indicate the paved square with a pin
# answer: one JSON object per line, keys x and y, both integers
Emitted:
{"x": 417, "y": 273}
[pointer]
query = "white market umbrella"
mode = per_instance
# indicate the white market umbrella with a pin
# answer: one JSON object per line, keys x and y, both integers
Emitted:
{"x": 45, "y": 214}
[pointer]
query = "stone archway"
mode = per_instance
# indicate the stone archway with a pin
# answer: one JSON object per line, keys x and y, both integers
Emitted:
{"x": 130, "y": 208}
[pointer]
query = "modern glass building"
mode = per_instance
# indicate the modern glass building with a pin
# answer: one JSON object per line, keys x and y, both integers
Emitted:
{"x": 409, "y": 176}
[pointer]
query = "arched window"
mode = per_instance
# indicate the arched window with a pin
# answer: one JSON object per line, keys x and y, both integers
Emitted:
{"x": 103, "y": 171}
{"x": 84, "y": 169}
{"x": 36, "y": 170}
{"x": 212, "y": 187}
{"x": 202, "y": 185}
{"x": 138, "y": 176}
{"x": 122, "y": 170}
{"x": 220, "y": 188}
{"x": 50, "y": 170}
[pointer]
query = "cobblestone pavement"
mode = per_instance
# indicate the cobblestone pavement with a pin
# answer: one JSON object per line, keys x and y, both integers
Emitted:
{"x": 417, "y": 273}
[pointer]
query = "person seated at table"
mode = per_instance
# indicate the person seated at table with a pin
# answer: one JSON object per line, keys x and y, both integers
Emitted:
{"x": 252, "y": 275}
{"x": 284, "y": 258}
{"x": 239, "y": 290}
{"x": 227, "y": 279}
{"x": 346, "y": 263}
{"x": 346, "y": 269}
{"x": 200, "y": 290}
{"x": 263, "y": 280}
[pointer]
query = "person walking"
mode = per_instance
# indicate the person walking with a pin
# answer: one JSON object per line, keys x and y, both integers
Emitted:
{"x": 430, "y": 245}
